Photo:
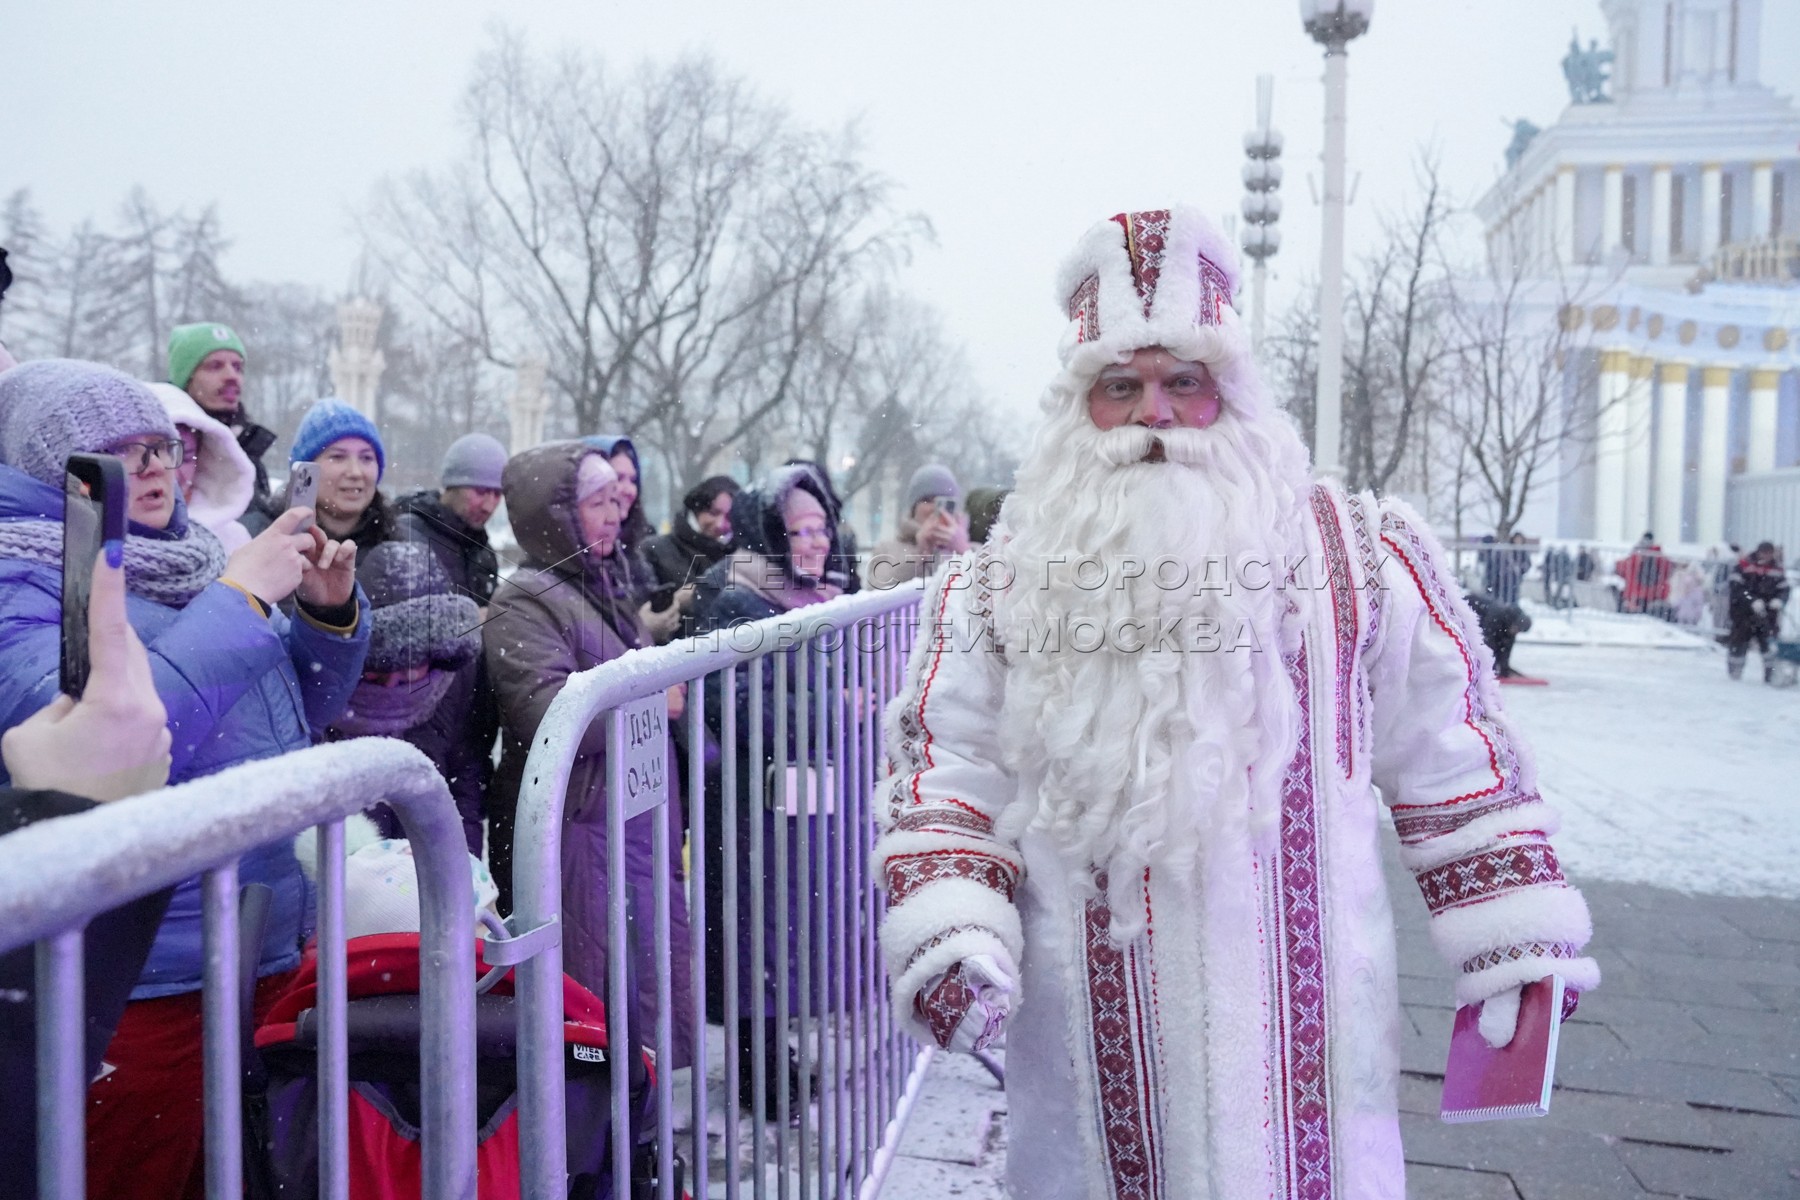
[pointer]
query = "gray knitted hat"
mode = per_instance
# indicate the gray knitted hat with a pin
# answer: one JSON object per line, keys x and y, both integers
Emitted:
{"x": 51, "y": 408}
{"x": 415, "y": 616}
{"x": 474, "y": 460}
{"x": 928, "y": 483}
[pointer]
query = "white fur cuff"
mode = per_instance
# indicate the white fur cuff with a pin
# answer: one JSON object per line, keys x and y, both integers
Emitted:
{"x": 945, "y": 908}
{"x": 1579, "y": 975}
{"x": 1539, "y": 914}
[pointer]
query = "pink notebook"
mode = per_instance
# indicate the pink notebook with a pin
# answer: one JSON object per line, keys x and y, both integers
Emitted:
{"x": 1485, "y": 1084}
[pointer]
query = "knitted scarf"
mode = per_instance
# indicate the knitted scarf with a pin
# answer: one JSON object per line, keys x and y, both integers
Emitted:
{"x": 169, "y": 568}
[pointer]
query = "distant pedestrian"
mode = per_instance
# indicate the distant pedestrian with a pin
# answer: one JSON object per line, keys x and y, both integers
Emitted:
{"x": 1759, "y": 591}
{"x": 932, "y": 527}
{"x": 1646, "y": 574}
{"x": 453, "y": 520}
{"x": 207, "y": 360}
{"x": 699, "y": 536}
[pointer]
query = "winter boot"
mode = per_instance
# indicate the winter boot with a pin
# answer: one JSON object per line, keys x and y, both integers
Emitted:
{"x": 1768, "y": 668}
{"x": 1734, "y": 666}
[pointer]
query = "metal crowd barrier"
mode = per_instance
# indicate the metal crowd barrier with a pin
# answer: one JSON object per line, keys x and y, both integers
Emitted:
{"x": 57, "y": 875}
{"x": 841, "y": 661}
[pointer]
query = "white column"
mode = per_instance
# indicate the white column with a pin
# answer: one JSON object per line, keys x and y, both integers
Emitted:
{"x": 1762, "y": 199}
{"x": 1711, "y": 191}
{"x": 1765, "y": 383}
{"x": 1671, "y": 450}
{"x": 1612, "y": 219}
{"x": 1328, "y": 398}
{"x": 1609, "y": 448}
{"x": 1564, "y": 222}
{"x": 1637, "y": 447}
{"x": 1715, "y": 454}
{"x": 1659, "y": 215}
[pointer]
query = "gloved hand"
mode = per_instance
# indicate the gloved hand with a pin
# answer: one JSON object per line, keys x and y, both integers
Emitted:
{"x": 967, "y": 1006}
{"x": 1758, "y": 607}
{"x": 1775, "y": 604}
{"x": 1499, "y": 1018}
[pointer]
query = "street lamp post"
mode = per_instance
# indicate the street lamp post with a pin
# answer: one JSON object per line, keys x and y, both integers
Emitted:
{"x": 1262, "y": 207}
{"x": 1332, "y": 23}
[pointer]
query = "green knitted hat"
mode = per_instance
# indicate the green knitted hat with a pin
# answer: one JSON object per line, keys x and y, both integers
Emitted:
{"x": 190, "y": 344}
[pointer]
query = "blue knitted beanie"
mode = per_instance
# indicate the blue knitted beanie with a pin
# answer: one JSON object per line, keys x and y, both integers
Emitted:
{"x": 331, "y": 420}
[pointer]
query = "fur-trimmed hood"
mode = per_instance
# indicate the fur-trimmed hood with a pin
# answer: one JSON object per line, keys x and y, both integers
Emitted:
{"x": 226, "y": 480}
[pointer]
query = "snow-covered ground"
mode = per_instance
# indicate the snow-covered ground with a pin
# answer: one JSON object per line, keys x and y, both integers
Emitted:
{"x": 1590, "y": 627}
{"x": 1665, "y": 771}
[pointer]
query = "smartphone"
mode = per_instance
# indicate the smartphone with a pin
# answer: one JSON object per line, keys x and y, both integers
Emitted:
{"x": 945, "y": 505}
{"x": 94, "y": 496}
{"x": 303, "y": 489}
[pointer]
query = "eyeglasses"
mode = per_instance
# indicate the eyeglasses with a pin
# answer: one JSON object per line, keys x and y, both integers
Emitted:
{"x": 136, "y": 455}
{"x": 819, "y": 532}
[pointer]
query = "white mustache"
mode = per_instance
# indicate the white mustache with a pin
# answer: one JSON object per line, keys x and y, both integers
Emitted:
{"x": 1127, "y": 446}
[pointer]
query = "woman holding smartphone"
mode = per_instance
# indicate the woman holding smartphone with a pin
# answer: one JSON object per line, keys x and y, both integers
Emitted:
{"x": 239, "y": 680}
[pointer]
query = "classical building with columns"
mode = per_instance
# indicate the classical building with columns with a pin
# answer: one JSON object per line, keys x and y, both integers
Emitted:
{"x": 1660, "y": 222}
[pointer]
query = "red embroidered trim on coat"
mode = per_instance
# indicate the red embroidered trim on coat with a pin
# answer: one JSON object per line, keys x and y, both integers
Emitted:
{"x": 1343, "y": 613}
{"x": 1303, "y": 1055}
{"x": 1506, "y": 954}
{"x": 1215, "y": 294}
{"x": 1417, "y": 823}
{"x": 942, "y": 818}
{"x": 1487, "y": 875}
{"x": 907, "y": 873}
{"x": 944, "y": 1006}
{"x": 1124, "y": 1059}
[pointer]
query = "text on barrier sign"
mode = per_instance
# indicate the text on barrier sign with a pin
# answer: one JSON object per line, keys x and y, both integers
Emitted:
{"x": 646, "y": 766}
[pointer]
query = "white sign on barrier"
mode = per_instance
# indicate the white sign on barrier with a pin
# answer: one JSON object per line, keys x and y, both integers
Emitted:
{"x": 646, "y": 766}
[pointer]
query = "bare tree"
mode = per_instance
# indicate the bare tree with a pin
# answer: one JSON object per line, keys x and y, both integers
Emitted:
{"x": 672, "y": 243}
{"x": 1510, "y": 412}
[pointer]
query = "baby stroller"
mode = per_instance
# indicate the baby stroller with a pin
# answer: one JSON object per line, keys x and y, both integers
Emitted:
{"x": 384, "y": 1025}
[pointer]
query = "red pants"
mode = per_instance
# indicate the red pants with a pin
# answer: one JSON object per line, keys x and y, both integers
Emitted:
{"x": 145, "y": 1117}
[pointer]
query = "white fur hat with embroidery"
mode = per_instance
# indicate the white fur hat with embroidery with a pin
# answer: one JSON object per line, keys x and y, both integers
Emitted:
{"x": 1162, "y": 277}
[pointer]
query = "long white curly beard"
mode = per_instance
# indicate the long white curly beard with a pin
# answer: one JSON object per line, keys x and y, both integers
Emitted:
{"x": 1134, "y": 754}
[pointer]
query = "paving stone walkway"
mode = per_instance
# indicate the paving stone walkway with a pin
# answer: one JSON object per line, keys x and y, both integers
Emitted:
{"x": 1680, "y": 1077}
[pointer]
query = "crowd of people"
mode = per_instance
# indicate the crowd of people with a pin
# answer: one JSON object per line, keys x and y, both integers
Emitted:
{"x": 252, "y": 623}
{"x": 1739, "y": 596}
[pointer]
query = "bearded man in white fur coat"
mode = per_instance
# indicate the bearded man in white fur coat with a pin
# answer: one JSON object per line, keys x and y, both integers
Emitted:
{"x": 1137, "y": 773}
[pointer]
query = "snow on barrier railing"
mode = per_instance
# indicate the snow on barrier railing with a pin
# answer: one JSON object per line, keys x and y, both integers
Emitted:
{"x": 58, "y": 874}
{"x": 845, "y": 658}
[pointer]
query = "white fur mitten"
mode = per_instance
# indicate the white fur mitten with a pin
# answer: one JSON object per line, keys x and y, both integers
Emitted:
{"x": 967, "y": 1006}
{"x": 1499, "y": 1018}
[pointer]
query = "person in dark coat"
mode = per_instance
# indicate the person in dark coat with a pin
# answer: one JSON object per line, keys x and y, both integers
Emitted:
{"x": 566, "y": 610}
{"x": 453, "y": 520}
{"x": 240, "y": 679}
{"x": 1758, "y": 589}
{"x": 1501, "y": 625}
{"x": 700, "y": 536}
{"x": 785, "y": 536}
{"x": 207, "y": 361}
{"x": 418, "y": 682}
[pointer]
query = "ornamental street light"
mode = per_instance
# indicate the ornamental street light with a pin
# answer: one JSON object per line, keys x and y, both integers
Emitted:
{"x": 1262, "y": 207}
{"x": 1332, "y": 23}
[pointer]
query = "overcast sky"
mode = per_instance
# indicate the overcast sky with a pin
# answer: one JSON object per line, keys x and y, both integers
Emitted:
{"x": 1011, "y": 126}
